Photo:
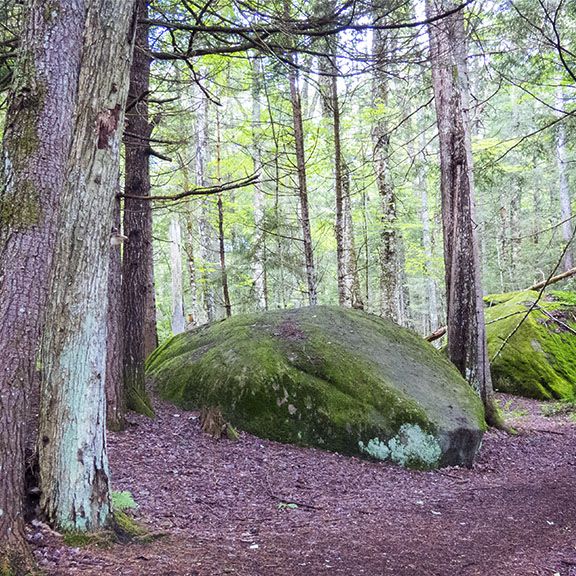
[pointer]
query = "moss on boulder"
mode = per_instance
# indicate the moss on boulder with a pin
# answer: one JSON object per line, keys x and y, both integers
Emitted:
{"x": 334, "y": 378}
{"x": 539, "y": 359}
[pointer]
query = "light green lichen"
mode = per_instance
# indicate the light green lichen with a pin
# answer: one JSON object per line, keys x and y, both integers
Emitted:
{"x": 410, "y": 448}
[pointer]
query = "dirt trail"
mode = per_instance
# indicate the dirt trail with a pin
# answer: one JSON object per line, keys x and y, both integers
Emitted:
{"x": 257, "y": 508}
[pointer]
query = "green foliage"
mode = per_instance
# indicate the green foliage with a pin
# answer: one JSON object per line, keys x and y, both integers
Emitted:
{"x": 123, "y": 500}
{"x": 564, "y": 408}
{"x": 104, "y": 539}
{"x": 287, "y": 505}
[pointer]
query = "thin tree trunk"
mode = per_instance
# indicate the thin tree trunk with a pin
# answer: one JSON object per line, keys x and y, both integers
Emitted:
{"x": 35, "y": 151}
{"x": 73, "y": 463}
{"x": 221, "y": 243}
{"x": 259, "y": 263}
{"x": 303, "y": 187}
{"x": 515, "y": 231}
{"x": 137, "y": 284}
{"x": 193, "y": 316}
{"x": 175, "y": 235}
{"x": 205, "y": 229}
{"x": 467, "y": 346}
{"x": 563, "y": 185}
{"x": 114, "y": 332}
{"x": 427, "y": 243}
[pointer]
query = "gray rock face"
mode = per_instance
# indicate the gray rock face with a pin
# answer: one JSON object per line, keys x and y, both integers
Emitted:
{"x": 334, "y": 378}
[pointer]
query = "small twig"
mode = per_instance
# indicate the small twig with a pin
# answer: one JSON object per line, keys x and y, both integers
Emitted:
{"x": 550, "y": 432}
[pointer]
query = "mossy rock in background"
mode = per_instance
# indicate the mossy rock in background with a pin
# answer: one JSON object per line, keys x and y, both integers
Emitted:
{"x": 334, "y": 378}
{"x": 539, "y": 360}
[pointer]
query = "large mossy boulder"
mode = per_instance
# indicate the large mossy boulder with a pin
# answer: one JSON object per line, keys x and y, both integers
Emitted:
{"x": 335, "y": 378}
{"x": 539, "y": 357}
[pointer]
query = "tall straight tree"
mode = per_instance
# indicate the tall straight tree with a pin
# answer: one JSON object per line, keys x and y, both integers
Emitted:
{"x": 563, "y": 184}
{"x": 296, "y": 102}
{"x": 259, "y": 273}
{"x": 391, "y": 301}
{"x": 73, "y": 462}
{"x": 35, "y": 150}
{"x": 137, "y": 265}
{"x": 467, "y": 346}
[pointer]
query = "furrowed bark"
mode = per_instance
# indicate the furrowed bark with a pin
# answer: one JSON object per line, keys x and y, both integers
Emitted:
{"x": 73, "y": 462}
{"x": 35, "y": 150}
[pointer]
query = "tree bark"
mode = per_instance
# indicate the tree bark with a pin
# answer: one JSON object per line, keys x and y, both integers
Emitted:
{"x": 390, "y": 287}
{"x": 563, "y": 185}
{"x": 175, "y": 235}
{"x": 137, "y": 265}
{"x": 35, "y": 150}
{"x": 427, "y": 243}
{"x": 205, "y": 229}
{"x": 259, "y": 264}
{"x": 114, "y": 333}
{"x": 302, "y": 186}
{"x": 73, "y": 462}
{"x": 221, "y": 243}
{"x": 467, "y": 346}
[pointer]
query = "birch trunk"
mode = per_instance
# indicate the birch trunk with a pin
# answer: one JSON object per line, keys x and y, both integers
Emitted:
{"x": 465, "y": 308}
{"x": 563, "y": 185}
{"x": 35, "y": 150}
{"x": 175, "y": 235}
{"x": 73, "y": 462}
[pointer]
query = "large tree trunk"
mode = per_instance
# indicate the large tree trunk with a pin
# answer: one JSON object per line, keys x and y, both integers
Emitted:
{"x": 391, "y": 298}
{"x": 36, "y": 146}
{"x": 73, "y": 462}
{"x": 303, "y": 187}
{"x": 137, "y": 276}
{"x": 466, "y": 329}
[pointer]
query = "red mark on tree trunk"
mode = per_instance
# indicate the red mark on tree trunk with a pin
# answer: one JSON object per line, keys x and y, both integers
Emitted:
{"x": 107, "y": 124}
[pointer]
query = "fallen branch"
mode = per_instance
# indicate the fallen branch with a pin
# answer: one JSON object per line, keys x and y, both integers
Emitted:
{"x": 545, "y": 283}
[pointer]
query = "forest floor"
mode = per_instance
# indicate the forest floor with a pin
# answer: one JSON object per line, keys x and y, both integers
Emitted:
{"x": 258, "y": 508}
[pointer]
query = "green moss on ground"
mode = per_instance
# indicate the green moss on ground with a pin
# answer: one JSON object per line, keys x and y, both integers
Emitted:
{"x": 539, "y": 360}
{"x": 324, "y": 376}
{"x": 103, "y": 539}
